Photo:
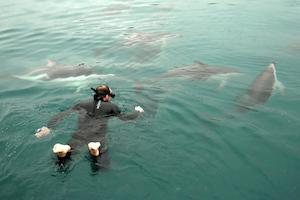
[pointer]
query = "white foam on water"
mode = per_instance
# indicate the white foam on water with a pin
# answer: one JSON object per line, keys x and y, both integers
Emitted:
{"x": 78, "y": 82}
{"x": 82, "y": 78}
{"x": 36, "y": 78}
{"x": 277, "y": 85}
{"x": 223, "y": 78}
{"x": 44, "y": 77}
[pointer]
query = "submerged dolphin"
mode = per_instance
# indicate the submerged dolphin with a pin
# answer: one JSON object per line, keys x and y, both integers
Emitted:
{"x": 199, "y": 70}
{"x": 53, "y": 70}
{"x": 202, "y": 71}
{"x": 79, "y": 76}
{"x": 260, "y": 89}
{"x": 147, "y": 38}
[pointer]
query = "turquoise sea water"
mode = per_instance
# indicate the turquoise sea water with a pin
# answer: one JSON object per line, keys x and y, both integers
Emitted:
{"x": 185, "y": 145}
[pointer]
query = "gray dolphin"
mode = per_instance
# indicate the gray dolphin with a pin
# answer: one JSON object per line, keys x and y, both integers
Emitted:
{"x": 147, "y": 38}
{"x": 202, "y": 71}
{"x": 260, "y": 89}
{"x": 53, "y": 70}
{"x": 199, "y": 70}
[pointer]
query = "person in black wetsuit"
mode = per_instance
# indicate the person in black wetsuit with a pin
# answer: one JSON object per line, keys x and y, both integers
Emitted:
{"x": 92, "y": 124}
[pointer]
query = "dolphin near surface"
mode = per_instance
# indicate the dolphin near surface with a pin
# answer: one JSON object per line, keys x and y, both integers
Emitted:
{"x": 147, "y": 38}
{"x": 260, "y": 89}
{"x": 202, "y": 71}
{"x": 79, "y": 75}
{"x": 199, "y": 70}
{"x": 54, "y": 70}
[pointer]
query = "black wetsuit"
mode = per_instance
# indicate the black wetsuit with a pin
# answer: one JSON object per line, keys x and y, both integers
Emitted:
{"x": 92, "y": 123}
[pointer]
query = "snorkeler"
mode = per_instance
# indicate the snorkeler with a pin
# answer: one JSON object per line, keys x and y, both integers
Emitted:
{"x": 93, "y": 118}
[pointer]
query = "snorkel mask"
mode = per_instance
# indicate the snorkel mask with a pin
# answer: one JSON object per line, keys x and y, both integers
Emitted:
{"x": 99, "y": 94}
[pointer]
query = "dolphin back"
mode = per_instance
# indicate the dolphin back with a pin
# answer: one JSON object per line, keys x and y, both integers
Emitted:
{"x": 260, "y": 89}
{"x": 64, "y": 71}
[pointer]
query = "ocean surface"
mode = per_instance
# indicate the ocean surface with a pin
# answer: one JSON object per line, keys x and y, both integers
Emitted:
{"x": 191, "y": 142}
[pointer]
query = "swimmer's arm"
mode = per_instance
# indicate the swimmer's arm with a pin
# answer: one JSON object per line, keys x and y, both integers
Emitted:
{"x": 60, "y": 116}
{"x": 131, "y": 115}
{"x": 45, "y": 130}
{"x": 128, "y": 116}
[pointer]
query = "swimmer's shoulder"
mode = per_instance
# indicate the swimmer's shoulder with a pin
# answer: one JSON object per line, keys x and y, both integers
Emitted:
{"x": 111, "y": 107}
{"x": 85, "y": 104}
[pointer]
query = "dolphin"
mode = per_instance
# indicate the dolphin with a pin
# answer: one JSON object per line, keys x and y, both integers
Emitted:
{"x": 202, "y": 71}
{"x": 147, "y": 38}
{"x": 79, "y": 75}
{"x": 260, "y": 89}
{"x": 54, "y": 70}
{"x": 198, "y": 70}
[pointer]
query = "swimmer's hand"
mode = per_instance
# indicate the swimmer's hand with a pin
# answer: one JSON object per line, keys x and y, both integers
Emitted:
{"x": 41, "y": 132}
{"x": 139, "y": 109}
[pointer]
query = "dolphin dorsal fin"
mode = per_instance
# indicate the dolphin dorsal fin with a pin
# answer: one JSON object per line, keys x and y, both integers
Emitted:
{"x": 199, "y": 63}
{"x": 51, "y": 63}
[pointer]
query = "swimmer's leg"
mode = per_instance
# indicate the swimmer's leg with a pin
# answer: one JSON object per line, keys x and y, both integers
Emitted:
{"x": 75, "y": 144}
{"x": 100, "y": 162}
{"x": 63, "y": 162}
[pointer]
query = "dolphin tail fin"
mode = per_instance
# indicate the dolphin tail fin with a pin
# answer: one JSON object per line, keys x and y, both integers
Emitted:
{"x": 199, "y": 62}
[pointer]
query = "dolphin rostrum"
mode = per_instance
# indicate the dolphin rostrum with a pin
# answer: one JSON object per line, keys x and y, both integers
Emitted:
{"x": 260, "y": 89}
{"x": 53, "y": 70}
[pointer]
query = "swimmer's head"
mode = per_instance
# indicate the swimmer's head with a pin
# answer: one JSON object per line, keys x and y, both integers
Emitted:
{"x": 101, "y": 91}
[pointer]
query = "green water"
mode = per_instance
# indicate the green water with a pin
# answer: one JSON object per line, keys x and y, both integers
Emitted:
{"x": 185, "y": 145}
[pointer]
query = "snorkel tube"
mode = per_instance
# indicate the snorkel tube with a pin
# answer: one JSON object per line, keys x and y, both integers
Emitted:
{"x": 100, "y": 93}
